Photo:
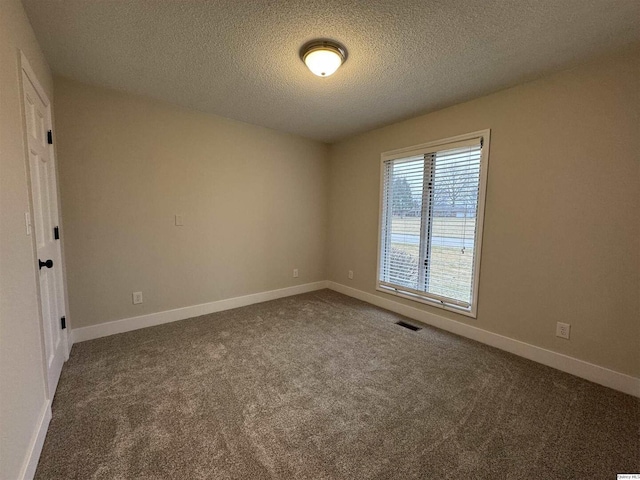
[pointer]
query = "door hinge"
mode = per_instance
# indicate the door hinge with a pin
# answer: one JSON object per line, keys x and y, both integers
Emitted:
{"x": 56, "y": 233}
{"x": 49, "y": 137}
{"x": 63, "y": 322}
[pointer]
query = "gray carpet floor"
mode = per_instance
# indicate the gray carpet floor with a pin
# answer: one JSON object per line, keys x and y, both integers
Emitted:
{"x": 322, "y": 386}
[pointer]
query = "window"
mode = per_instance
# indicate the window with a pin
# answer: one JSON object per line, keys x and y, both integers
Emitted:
{"x": 431, "y": 215}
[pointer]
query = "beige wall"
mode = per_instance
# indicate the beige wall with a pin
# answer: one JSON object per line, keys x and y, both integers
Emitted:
{"x": 561, "y": 229}
{"x": 254, "y": 203}
{"x": 562, "y": 212}
{"x": 560, "y": 240}
{"x": 22, "y": 382}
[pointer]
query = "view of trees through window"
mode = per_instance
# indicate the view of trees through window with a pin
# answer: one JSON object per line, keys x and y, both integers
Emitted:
{"x": 449, "y": 240}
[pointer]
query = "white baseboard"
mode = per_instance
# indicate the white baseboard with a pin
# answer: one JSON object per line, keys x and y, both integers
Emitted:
{"x": 69, "y": 345}
{"x": 594, "y": 373}
{"x": 134, "y": 323}
{"x": 580, "y": 368}
{"x": 36, "y": 444}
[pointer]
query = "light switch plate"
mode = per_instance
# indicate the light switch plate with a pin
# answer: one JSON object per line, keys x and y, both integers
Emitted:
{"x": 179, "y": 221}
{"x": 27, "y": 221}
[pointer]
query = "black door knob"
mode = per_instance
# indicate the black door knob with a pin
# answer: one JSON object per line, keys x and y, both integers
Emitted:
{"x": 48, "y": 264}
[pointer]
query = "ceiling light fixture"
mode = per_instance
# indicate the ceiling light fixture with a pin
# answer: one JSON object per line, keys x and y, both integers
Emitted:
{"x": 323, "y": 57}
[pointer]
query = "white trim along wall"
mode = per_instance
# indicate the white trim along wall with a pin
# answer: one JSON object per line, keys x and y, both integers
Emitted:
{"x": 37, "y": 442}
{"x": 594, "y": 373}
{"x": 579, "y": 368}
{"x": 152, "y": 319}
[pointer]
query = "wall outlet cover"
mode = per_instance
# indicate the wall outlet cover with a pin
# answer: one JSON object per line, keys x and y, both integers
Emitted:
{"x": 563, "y": 330}
{"x": 137, "y": 298}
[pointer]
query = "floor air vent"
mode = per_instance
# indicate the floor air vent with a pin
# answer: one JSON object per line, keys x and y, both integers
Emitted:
{"x": 408, "y": 325}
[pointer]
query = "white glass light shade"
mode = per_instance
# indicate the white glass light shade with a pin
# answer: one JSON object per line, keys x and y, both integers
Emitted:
{"x": 323, "y": 62}
{"x": 323, "y": 58}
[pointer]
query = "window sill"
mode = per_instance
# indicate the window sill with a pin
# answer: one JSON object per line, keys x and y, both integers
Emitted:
{"x": 433, "y": 303}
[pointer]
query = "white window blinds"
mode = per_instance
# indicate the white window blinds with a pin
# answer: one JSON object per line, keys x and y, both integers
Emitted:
{"x": 429, "y": 223}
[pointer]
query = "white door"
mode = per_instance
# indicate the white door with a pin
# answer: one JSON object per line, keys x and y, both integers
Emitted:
{"x": 45, "y": 220}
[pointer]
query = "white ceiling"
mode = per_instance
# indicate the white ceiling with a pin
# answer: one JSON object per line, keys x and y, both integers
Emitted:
{"x": 239, "y": 59}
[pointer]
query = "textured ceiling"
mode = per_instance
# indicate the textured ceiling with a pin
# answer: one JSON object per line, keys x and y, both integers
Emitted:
{"x": 239, "y": 59}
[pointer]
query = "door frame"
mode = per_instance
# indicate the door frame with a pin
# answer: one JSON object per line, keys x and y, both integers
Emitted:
{"x": 26, "y": 70}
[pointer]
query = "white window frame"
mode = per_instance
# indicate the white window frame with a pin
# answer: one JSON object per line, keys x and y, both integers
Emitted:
{"x": 424, "y": 148}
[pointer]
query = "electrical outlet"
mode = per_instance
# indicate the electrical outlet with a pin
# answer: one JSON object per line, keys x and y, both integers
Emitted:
{"x": 350, "y": 274}
{"x": 295, "y": 273}
{"x": 179, "y": 221}
{"x": 563, "y": 330}
{"x": 137, "y": 298}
